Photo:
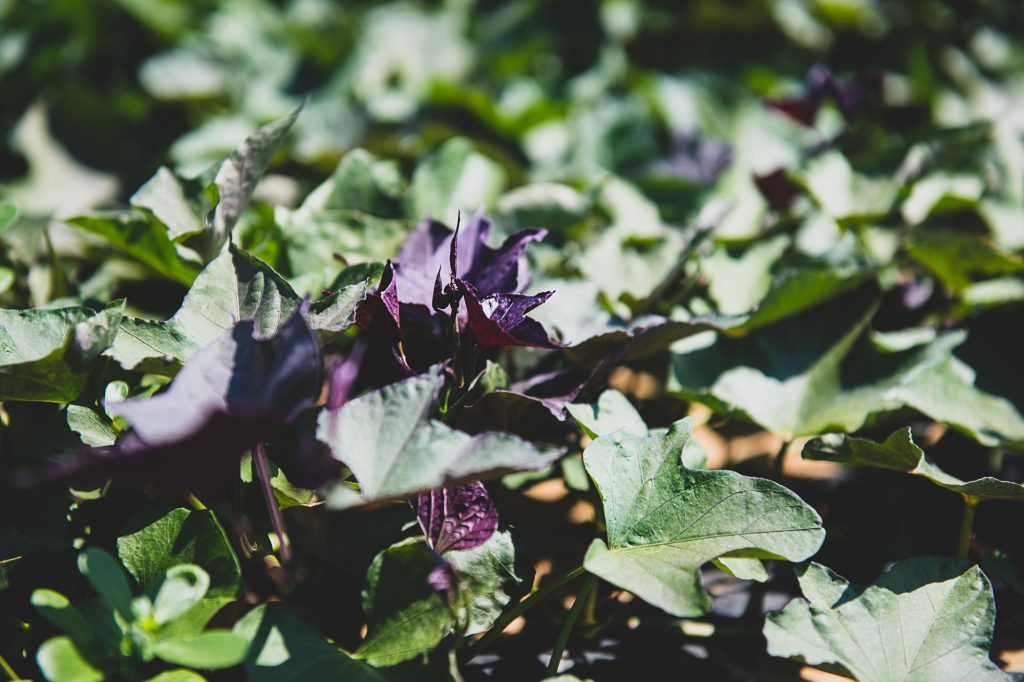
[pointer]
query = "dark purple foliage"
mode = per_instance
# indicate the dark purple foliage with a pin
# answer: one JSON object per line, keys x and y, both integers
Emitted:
{"x": 434, "y": 253}
{"x": 235, "y": 392}
{"x": 848, "y": 95}
{"x": 777, "y": 188}
{"x": 444, "y": 580}
{"x": 500, "y": 319}
{"x": 380, "y": 314}
{"x": 456, "y": 517}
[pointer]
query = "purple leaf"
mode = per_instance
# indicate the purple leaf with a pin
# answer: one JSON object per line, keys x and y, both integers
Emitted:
{"x": 427, "y": 257}
{"x": 848, "y": 95}
{"x": 777, "y": 188}
{"x": 235, "y": 392}
{"x": 380, "y": 315}
{"x": 456, "y": 517}
{"x": 444, "y": 580}
{"x": 500, "y": 319}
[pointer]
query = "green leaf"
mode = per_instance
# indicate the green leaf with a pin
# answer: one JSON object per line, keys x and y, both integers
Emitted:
{"x": 209, "y": 650}
{"x": 92, "y": 428}
{"x": 106, "y": 577}
{"x": 665, "y": 521}
{"x": 737, "y": 283}
{"x": 182, "y": 587}
{"x": 8, "y": 214}
{"x": 236, "y": 180}
{"x": 958, "y": 259}
{"x": 285, "y": 647}
{"x": 455, "y": 178}
{"x": 395, "y": 449}
{"x": 180, "y": 675}
{"x": 235, "y": 286}
{"x": 900, "y": 453}
{"x": 611, "y": 413}
{"x": 926, "y": 619}
{"x": 56, "y": 608}
{"x": 362, "y": 182}
{"x": 143, "y": 239}
{"x": 940, "y": 192}
{"x": 406, "y": 617}
{"x": 182, "y": 536}
{"x": 493, "y": 574}
{"x": 60, "y": 661}
{"x": 47, "y": 354}
{"x": 821, "y": 371}
{"x": 845, "y": 194}
{"x": 180, "y": 205}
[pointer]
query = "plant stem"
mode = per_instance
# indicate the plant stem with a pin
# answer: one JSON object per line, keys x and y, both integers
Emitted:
{"x": 520, "y": 608}
{"x": 195, "y": 502}
{"x": 966, "y": 527}
{"x": 260, "y": 458}
{"x": 779, "y": 463}
{"x": 570, "y": 621}
{"x": 11, "y": 674}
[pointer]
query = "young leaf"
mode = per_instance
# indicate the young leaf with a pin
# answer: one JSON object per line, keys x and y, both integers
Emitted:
{"x": 60, "y": 661}
{"x": 285, "y": 647}
{"x": 182, "y": 587}
{"x": 456, "y": 517}
{"x": 212, "y": 649}
{"x": 236, "y": 180}
{"x": 106, "y": 577}
{"x": 47, "y": 354}
{"x": 665, "y": 521}
{"x": 926, "y": 619}
{"x": 395, "y": 449}
{"x": 900, "y": 453}
{"x": 56, "y": 608}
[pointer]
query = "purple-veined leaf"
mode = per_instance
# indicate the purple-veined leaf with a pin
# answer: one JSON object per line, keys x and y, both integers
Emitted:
{"x": 456, "y": 517}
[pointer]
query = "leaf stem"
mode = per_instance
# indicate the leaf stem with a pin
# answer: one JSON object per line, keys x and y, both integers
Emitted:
{"x": 195, "y": 502}
{"x": 966, "y": 527}
{"x": 520, "y": 608}
{"x": 779, "y": 463}
{"x": 570, "y": 621}
{"x": 11, "y": 674}
{"x": 260, "y": 458}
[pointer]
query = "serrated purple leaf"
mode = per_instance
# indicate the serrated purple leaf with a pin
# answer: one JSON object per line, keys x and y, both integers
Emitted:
{"x": 456, "y": 517}
{"x": 380, "y": 315}
{"x": 500, "y": 319}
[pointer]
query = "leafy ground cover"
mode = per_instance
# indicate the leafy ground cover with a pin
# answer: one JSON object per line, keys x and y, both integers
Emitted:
{"x": 501, "y": 341}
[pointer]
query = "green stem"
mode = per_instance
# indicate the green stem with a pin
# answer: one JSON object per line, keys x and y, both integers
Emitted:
{"x": 779, "y": 463}
{"x": 966, "y": 527}
{"x": 570, "y": 621}
{"x": 8, "y": 669}
{"x": 519, "y": 609}
{"x": 259, "y": 456}
{"x": 195, "y": 502}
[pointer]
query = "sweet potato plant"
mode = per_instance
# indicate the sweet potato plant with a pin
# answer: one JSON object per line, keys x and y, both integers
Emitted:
{"x": 512, "y": 341}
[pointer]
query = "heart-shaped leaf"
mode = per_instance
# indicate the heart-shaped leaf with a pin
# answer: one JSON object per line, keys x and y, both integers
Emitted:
{"x": 395, "y": 449}
{"x": 456, "y": 517}
{"x": 665, "y": 521}
{"x": 407, "y": 616}
{"x": 926, "y": 619}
